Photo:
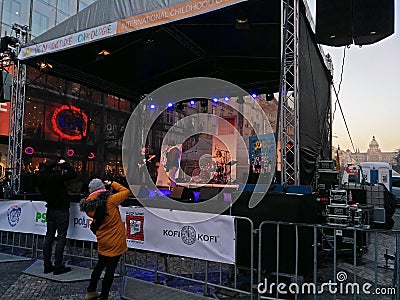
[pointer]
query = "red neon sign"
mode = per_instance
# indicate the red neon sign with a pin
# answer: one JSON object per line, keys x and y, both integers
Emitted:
{"x": 29, "y": 150}
{"x": 69, "y": 122}
{"x": 91, "y": 155}
{"x": 70, "y": 152}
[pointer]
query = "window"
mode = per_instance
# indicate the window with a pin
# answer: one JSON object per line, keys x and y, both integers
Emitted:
{"x": 12, "y": 12}
{"x": 40, "y": 23}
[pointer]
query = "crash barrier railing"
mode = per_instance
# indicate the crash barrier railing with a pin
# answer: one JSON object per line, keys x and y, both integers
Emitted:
{"x": 327, "y": 262}
{"x": 195, "y": 275}
{"x": 276, "y": 260}
{"x": 211, "y": 278}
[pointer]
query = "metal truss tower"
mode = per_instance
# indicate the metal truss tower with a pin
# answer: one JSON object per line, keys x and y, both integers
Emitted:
{"x": 289, "y": 94}
{"x": 14, "y": 158}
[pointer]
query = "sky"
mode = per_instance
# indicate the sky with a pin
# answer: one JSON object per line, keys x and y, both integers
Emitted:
{"x": 369, "y": 92}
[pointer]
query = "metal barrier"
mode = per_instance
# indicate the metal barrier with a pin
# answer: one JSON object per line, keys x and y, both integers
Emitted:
{"x": 304, "y": 260}
{"x": 214, "y": 278}
{"x": 278, "y": 260}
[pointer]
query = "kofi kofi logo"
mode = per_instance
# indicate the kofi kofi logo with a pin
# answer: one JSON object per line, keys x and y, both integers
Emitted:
{"x": 188, "y": 234}
{"x": 13, "y": 215}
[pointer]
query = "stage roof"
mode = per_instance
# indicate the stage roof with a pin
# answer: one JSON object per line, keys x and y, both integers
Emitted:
{"x": 152, "y": 43}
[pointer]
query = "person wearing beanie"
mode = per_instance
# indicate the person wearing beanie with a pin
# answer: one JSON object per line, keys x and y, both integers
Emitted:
{"x": 107, "y": 225}
{"x": 50, "y": 182}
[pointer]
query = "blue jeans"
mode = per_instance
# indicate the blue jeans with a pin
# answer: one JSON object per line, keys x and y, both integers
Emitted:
{"x": 57, "y": 221}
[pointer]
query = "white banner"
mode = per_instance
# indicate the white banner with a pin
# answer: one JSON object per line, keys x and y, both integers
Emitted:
{"x": 212, "y": 240}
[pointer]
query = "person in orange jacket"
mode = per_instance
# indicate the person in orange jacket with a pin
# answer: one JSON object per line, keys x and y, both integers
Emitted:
{"x": 107, "y": 225}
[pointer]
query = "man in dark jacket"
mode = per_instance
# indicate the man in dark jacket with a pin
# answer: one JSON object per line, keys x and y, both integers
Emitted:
{"x": 51, "y": 184}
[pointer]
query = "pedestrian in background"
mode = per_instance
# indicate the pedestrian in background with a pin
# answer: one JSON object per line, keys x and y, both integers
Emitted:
{"x": 102, "y": 206}
{"x": 50, "y": 181}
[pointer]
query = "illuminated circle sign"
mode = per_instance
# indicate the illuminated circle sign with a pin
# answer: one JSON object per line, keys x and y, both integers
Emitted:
{"x": 69, "y": 122}
{"x": 29, "y": 150}
{"x": 70, "y": 152}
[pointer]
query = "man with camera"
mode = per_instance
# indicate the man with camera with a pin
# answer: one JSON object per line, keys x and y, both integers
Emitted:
{"x": 50, "y": 182}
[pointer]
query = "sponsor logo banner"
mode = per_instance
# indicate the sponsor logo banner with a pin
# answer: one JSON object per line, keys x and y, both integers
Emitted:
{"x": 178, "y": 234}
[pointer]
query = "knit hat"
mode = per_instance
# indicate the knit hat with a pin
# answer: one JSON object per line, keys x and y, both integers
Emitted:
{"x": 96, "y": 184}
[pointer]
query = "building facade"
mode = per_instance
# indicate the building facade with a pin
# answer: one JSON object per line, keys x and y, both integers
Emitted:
{"x": 373, "y": 154}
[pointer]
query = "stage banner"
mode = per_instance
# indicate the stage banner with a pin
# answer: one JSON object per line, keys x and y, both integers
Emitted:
{"x": 213, "y": 239}
{"x": 261, "y": 153}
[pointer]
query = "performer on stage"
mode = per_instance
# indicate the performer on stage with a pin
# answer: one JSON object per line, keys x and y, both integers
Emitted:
{"x": 219, "y": 159}
{"x": 144, "y": 164}
{"x": 173, "y": 158}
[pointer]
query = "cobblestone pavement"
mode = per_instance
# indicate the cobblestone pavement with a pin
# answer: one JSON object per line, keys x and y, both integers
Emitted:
{"x": 16, "y": 285}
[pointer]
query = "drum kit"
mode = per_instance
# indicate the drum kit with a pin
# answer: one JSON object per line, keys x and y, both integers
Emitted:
{"x": 213, "y": 170}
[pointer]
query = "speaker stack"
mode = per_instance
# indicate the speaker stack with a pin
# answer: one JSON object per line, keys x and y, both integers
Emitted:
{"x": 340, "y": 22}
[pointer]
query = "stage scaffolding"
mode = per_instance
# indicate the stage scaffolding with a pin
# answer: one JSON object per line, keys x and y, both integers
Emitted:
{"x": 15, "y": 137}
{"x": 288, "y": 117}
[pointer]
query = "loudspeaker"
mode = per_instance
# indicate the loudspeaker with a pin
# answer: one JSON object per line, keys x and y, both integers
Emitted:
{"x": 334, "y": 22}
{"x": 373, "y": 20}
{"x": 7, "y": 81}
{"x": 284, "y": 208}
{"x": 207, "y": 193}
{"x": 139, "y": 191}
{"x": 182, "y": 193}
{"x": 340, "y": 22}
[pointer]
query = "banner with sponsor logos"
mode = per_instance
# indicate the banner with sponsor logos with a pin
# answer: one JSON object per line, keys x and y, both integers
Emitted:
{"x": 212, "y": 239}
{"x": 173, "y": 232}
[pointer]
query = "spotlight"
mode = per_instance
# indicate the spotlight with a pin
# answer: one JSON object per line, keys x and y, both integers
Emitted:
{"x": 226, "y": 99}
{"x": 242, "y": 22}
{"x": 152, "y": 106}
{"x": 170, "y": 105}
{"x": 192, "y": 102}
{"x": 45, "y": 66}
{"x": 269, "y": 96}
{"x": 215, "y": 100}
{"x": 204, "y": 103}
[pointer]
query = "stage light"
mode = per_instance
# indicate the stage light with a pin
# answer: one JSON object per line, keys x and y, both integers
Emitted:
{"x": 254, "y": 95}
{"x": 226, "y": 99}
{"x": 170, "y": 104}
{"x": 104, "y": 52}
{"x": 269, "y": 96}
{"x": 45, "y": 66}
{"x": 215, "y": 100}
{"x": 152, "y": 106}
{"x": 192, "y": 102}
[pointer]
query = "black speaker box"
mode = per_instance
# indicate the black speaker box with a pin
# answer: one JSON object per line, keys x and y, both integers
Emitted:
{"x": 373, "y": 20}
{"x": 139, "y": 191}
{"x": 277, "y": 207}
{"x": 339, "y": 22}
{"x": 182, "y": 193}
{"x": 334, "y": 22}
{"x": 208, "y": 193}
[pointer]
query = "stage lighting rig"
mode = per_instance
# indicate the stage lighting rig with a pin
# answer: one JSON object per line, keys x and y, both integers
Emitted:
{"x": 269, "y": 96}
